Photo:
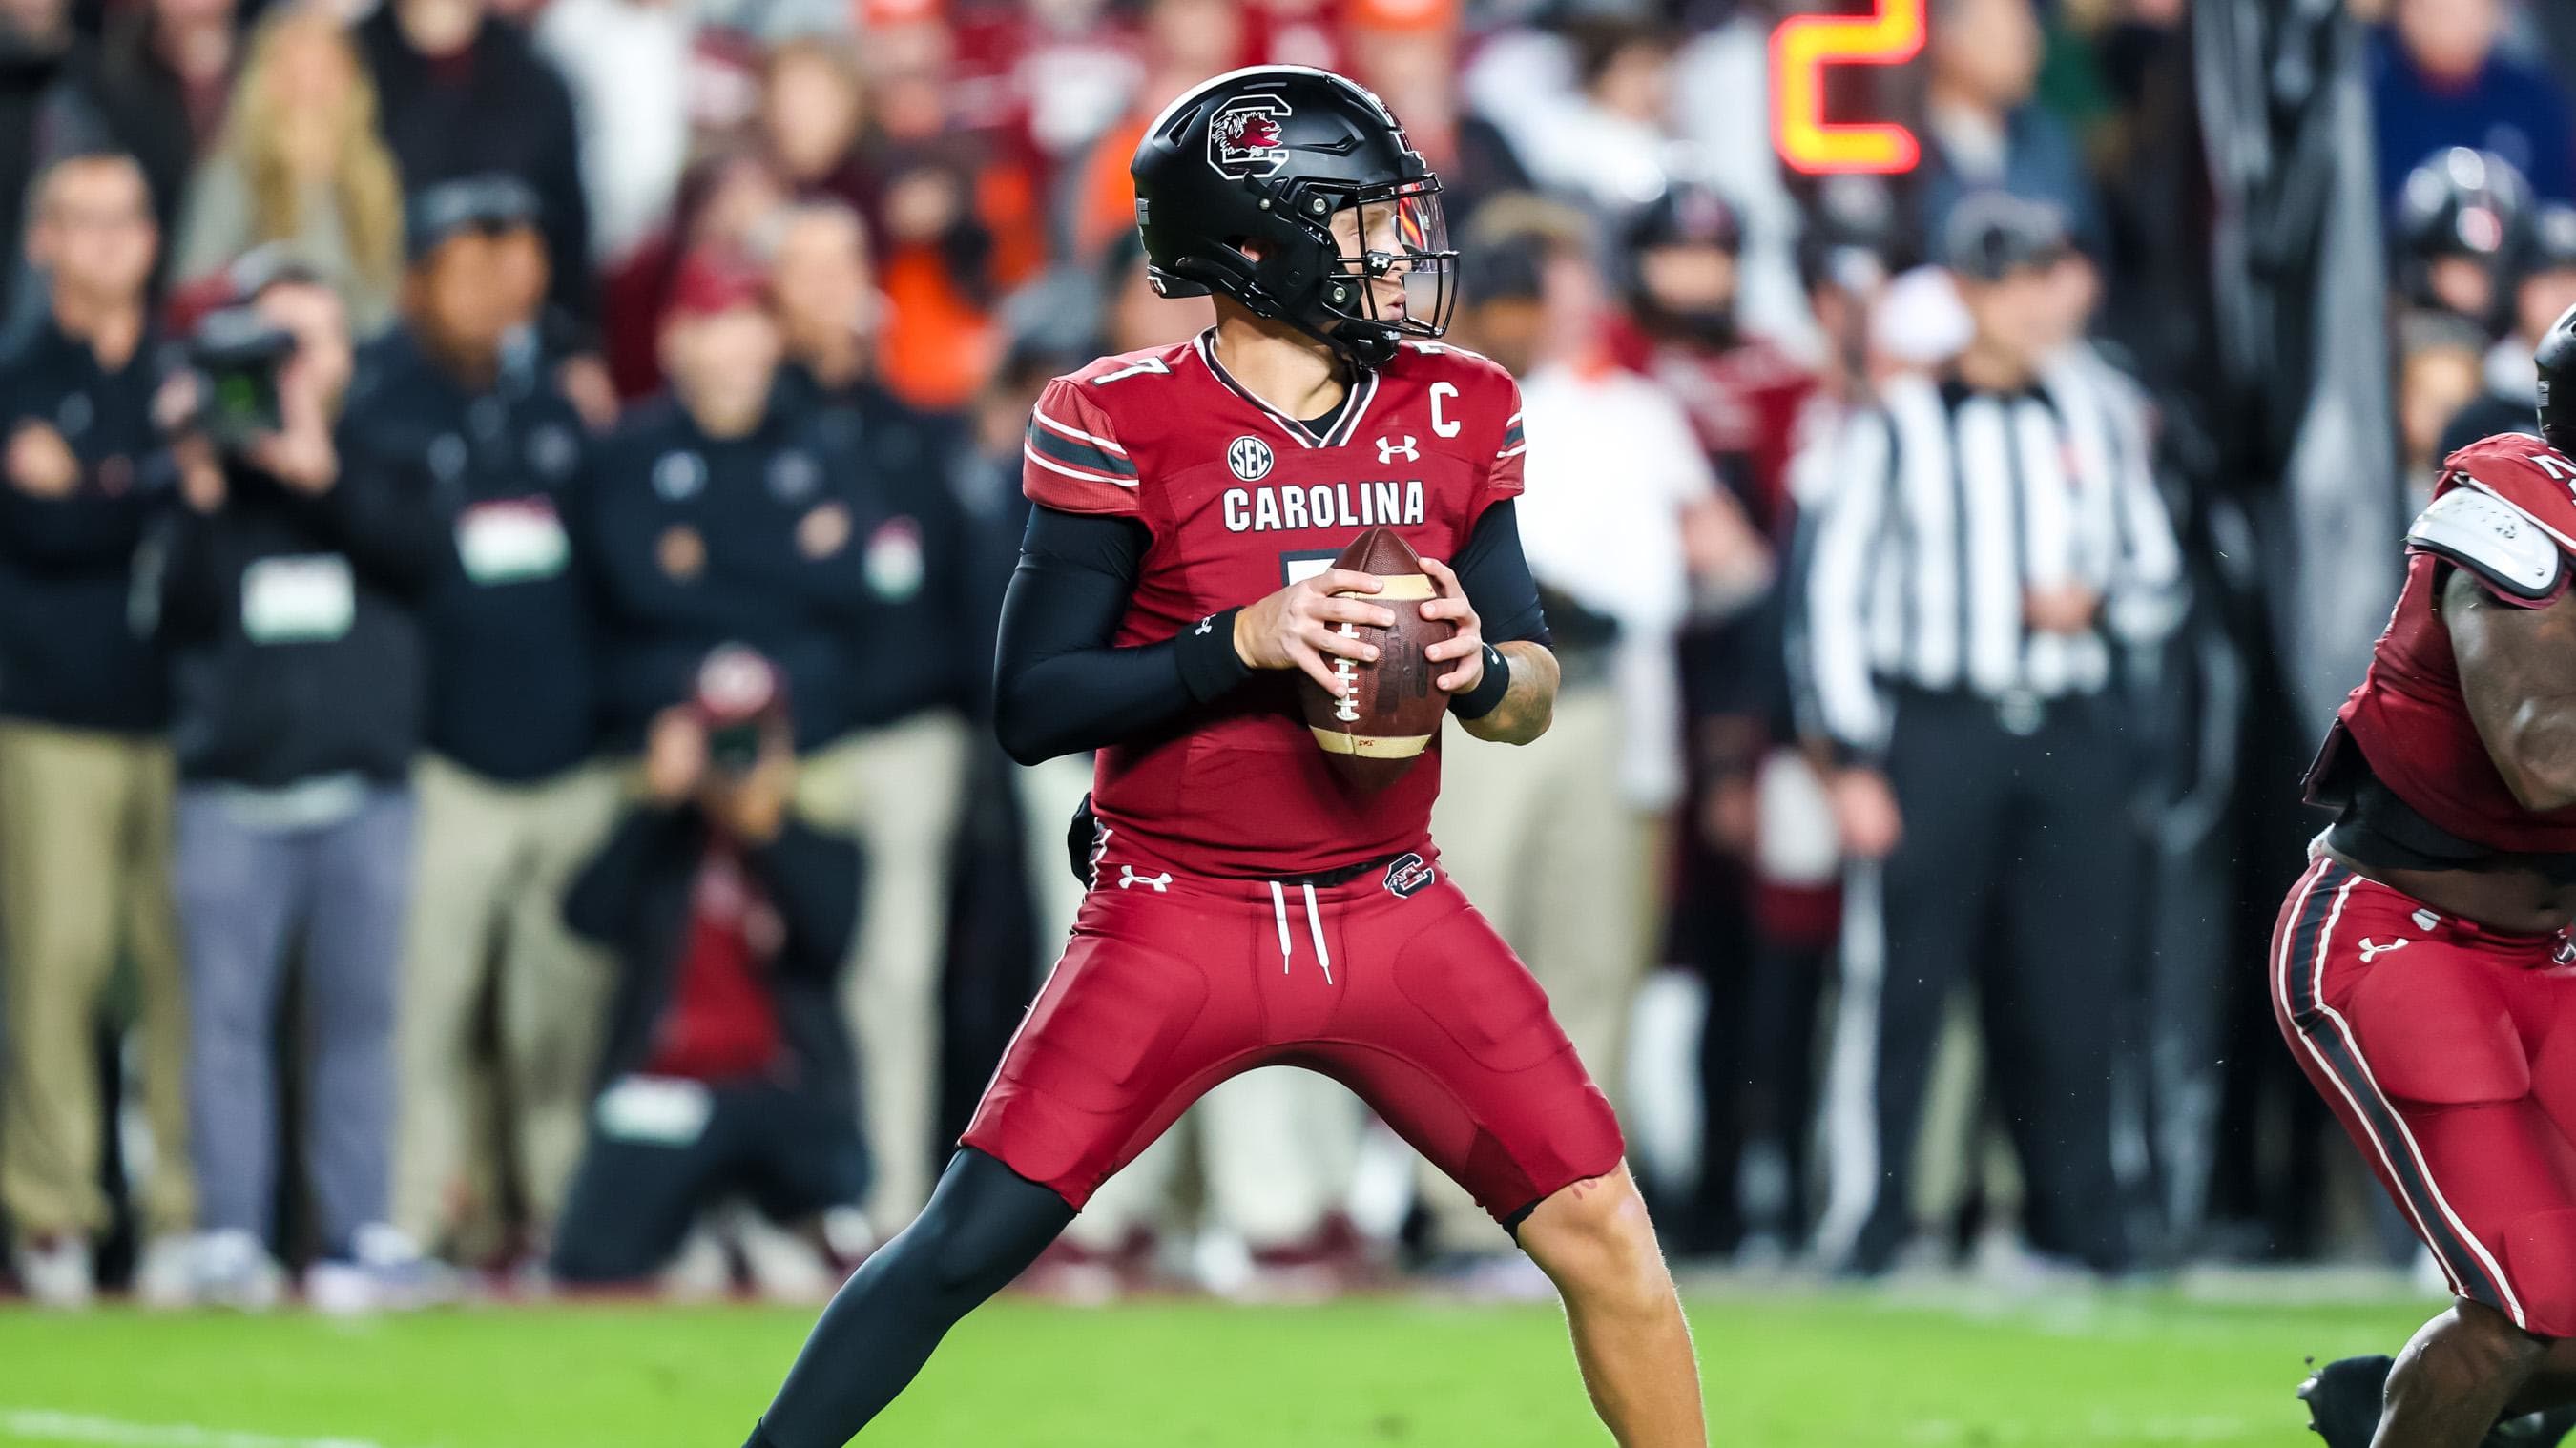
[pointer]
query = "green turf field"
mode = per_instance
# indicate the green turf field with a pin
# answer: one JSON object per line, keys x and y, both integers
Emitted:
{"x": 1783, "y": 1372}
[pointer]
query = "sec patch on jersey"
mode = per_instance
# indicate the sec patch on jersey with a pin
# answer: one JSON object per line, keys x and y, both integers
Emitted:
{"x": 1390, "y": 710}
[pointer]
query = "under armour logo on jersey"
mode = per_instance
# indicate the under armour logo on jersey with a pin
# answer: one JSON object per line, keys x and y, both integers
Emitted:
{"x": 1127, "y": 876}
{"x": 1388, "y": 452}
{"x": 2370, "y": 952}
{"x": 1207, "y": 625}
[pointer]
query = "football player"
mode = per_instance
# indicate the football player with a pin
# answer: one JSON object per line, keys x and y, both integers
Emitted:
{"x": 2424, "y": 971}
{"x": 1246, "y": 907}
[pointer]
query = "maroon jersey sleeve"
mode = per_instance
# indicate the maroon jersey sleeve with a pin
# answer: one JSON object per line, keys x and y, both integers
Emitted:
{"x": 1503, "y": 478}
{"x": 1072, "y": 460}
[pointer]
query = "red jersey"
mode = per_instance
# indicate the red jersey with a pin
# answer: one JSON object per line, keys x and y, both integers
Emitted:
{"x": 2408, "y": 716}
{"x": 1241, "y": 502}
{"x": 1743, "y": 402}
{"x": 720, "y": 1023}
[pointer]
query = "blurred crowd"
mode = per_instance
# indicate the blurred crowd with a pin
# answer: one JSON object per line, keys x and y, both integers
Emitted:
{"x": 504, "y": 511}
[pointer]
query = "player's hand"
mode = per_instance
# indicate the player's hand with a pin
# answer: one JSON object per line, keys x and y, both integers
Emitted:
{"x": 2065, "y": 608}
{"x": 1299, "y": 625}
{"x": 1467, "y": 644}
{"x": 1866, "y": 815}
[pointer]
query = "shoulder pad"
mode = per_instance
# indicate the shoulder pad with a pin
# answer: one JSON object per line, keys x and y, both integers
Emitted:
{"x": 2493, "y": 539}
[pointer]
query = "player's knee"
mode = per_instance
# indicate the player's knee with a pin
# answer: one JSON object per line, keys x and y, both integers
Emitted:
{"x": 1594, "y": 1234}
{"x": 2472, "y": 1344}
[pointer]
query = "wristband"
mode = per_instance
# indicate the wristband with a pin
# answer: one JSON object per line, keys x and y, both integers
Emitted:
{"x": 1210, "y": 667}
{"x": 1488, "y": 694}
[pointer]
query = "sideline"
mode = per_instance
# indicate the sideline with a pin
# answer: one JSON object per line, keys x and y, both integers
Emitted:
{"x": 43, "y": 1425}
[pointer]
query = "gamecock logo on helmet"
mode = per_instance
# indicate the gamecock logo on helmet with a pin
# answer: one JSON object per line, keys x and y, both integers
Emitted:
{"x": 1244, "y": 140}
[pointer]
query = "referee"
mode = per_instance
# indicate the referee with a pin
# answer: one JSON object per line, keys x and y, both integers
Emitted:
{"x": 1992, "y": 540}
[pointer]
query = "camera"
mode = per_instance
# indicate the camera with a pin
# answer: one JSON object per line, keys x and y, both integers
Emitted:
{"x": 237, "y": 354}
{"x": 740, "y": 700}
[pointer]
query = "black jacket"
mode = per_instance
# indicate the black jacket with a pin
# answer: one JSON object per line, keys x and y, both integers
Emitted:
{"x": 497, "y": 106}
{"x": 71, "y": 651}
{"x": 634, "y": 897}
{"x": 513, "y": 647}
{"x": 746, "y": 499}
{"x": 913, "y": 618}
{"x": 292, "y": 626}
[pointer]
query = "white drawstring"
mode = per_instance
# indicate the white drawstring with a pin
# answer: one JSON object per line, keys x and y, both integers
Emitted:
{"x": 1315, "y": 928}
{"x": 1279, "y": 903}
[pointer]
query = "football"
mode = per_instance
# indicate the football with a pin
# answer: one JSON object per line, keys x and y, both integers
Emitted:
{"x": 1392, "y": 713}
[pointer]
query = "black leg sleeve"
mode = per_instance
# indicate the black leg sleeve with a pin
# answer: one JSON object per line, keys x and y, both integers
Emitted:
{"x": 984, "y": 1226}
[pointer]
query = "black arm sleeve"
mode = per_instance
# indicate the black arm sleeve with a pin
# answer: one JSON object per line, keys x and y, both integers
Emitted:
{"x": 1498, "y": 581}
{"x": 1058, "y": 684}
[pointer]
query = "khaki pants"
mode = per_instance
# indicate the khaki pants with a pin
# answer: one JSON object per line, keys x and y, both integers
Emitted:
{"x": 1050, "y": 791}
{"x": 898, "y": 788}
{"x": 492, "y": 864}
{"x": 85, "y": 820}
{"x": 1542, "y": 840}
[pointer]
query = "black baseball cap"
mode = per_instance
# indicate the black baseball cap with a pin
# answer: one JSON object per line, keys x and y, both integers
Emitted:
{"x": 1992, "y": 234}
{"x": 1510, "y": 268}
{"x": 1687, "y": 213}
{"x": 489, "y": 204}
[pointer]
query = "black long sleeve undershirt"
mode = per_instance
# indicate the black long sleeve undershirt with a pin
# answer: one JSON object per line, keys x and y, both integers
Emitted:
{"x": 1060, "y": 686}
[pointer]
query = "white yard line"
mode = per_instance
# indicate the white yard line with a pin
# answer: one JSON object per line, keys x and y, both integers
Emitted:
{"x": 44, "y": 1425}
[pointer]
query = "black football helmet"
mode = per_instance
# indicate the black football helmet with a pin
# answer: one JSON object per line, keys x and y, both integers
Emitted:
{"x": 2465, "y": 204}
{"x": 1295, "y": 192}
{"x": 2555, "y": 360}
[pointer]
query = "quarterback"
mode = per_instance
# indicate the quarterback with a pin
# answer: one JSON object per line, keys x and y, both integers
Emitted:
{"x": 1246, "y": 906}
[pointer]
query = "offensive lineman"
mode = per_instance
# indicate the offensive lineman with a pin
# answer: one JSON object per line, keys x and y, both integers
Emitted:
{"x": 2424, "y": 969}
{"x": 1246, "y": 908}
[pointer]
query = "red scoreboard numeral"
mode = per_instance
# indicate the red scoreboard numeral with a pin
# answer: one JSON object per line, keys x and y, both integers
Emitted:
{"x": 1801, "y": 49}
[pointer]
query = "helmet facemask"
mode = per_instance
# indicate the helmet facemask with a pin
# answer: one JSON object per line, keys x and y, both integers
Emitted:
{"x": 1394, "y": 272}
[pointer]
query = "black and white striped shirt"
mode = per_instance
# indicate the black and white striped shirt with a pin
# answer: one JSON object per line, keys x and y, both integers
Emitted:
{"x": 1942, "y": 507}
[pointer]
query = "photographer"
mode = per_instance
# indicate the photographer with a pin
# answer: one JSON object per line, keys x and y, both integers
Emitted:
{"x": 727, "y": 1069}
{"x": 289, "y": 590}
{"x": 85, "y": 777}
{"x": 511, "y": 799}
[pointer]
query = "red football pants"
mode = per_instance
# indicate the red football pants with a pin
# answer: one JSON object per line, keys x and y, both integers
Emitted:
{"x": 2449, "y": 1052}
{"x": 1172, "y": 984}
